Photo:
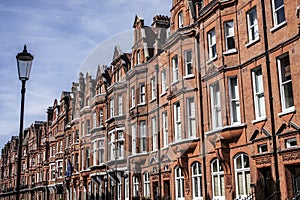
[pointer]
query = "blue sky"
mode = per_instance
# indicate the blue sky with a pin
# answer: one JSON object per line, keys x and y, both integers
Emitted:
{"x": 65, "y": 37}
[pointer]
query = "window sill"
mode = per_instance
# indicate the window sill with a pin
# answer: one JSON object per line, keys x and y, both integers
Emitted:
{"x": 278, "y": 26}
{"x": 212, "y": 59}
{"x": 229, "y": 52}
{"x": 287, "y": 111}
{"x": 252, "y": 42}
{"x": 152, "y": 100}
{"x": 164, "y": 92}
{"x": 260, "y": 119}
{"x": 132, "y": 108}
{"x": 189, "y": 76}
{"x": 142, "y": 104}
{"x": 175, "y": 82}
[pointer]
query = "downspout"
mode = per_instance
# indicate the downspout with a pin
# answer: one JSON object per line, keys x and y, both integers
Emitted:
{"x": 106, "y": 104}
{"x": 197, "y": 40}
{"x": 273, "y": 131}
{"x": 158, "y": 133}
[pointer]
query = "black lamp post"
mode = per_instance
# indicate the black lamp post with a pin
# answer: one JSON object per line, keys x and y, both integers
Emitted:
{"x": 24, "y": 63}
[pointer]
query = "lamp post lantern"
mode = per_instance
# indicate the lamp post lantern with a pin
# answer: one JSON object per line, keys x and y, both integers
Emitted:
{"x": 24, "y": 63}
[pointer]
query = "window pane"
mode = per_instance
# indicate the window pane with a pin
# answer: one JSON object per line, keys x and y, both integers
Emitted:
{"x": 216, "y": 186}
{"x": 239, "y": 162}
{"x": 248, "y": 180}
{"x": 280, "y": 15}
{"x": 240, "y": 184}
{"x": 222, "y": 185}
{"x": 278, "y": 3}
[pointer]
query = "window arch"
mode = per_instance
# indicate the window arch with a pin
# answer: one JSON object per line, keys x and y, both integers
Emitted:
{"x": 146, "y": 177}
{"x": 179, "y": 184}
{"x": 242, "y": 175}
{"x": 197, "y": 181}
{"x": 218, "y": 186}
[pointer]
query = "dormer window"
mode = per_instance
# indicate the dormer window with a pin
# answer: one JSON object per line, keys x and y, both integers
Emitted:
{"x": 180, "y": 19}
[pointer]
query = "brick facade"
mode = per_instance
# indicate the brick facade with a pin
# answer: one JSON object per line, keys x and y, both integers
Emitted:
{"x": 204, "y": 107}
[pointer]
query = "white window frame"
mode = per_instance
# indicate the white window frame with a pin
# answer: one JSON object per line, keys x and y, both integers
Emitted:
{"x": 191, "y": 116}
{"x": 87, "y": 160}
{"x": 120, "y": 144}
{"x": 288, "y": 142}
{"x": 216, "y": 110}
{"x": 88, "y": 128}
{"x": 143, "y": 136}
{"x": 197, "y": 181}
{"x": 154, "y": 133}
{"x": 219, "y": 174}
{"x": 94, "y": 152}
{"x": 276, "y": 13}
{"x": 179, "y": 184}
{"x": 229, "y": 35}
{"x": 163, "y": 81}
{"x": 142, "y": 93}
{"x": 175, "y": 69}
{"x": 252, "y": 25}
{"x": 120, "y": 105}
{"x": 165, "y": 128}
{"x": 112, "y": 145}
{"x": 94, "y": 119}
{"x": 177, "y": 122}
{"x": 283, "y": 92}
{"x": 188, "y": 59}
{"x": 153, "y": 88}
{"x": 133, "y": 137}
{"x": 244, "y": 170}
{"x": 111, "y": 108}
{"x": 138, "y": 55}
{"x": 147, "y": 191}
{"x": 261, "y": 148}
{"x": 258, "y": 93}
{"x": 126, "y": 188}
{"x": 132, "y": 92}
{"x": 212, "y": 44}
{"x": 52, "y": 171}
{"x": 101, "y": 117}
{"x": 59, "y": 164}
{"x": 235, "y": 112}
{"x": 135, "y": 186}
{"x": 180, "y": 19}
{"x": 100, "y": 144}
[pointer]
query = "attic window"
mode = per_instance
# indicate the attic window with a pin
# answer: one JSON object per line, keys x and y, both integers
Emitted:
{"x": 292, "y": 142}
{"x": 262, "y": 148}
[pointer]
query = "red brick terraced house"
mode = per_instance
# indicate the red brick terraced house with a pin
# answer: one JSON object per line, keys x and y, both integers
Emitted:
{"x": 203, "y": 107}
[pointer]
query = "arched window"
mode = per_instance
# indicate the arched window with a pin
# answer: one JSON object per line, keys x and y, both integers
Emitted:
{"x": 135, "y": 186}
{"x": 180, "y": 19}
{"x": 146, "y": 184}
{"x": 197, "y": 181}
{"x": 179, "y": 184}
{"x": 217, "y": 173}
{"x": 242, "y": 175}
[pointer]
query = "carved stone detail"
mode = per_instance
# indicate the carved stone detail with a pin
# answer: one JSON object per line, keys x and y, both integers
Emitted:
{"x": 263, "y": 160}
{"x": 291, "y": 156}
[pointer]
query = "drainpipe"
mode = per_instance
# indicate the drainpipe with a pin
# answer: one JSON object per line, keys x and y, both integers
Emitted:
{"x": 203, "y": 146}
{"x": 106, "y": 104}
{"x": 158, "y": 132}
{"x": 273, "y": 131}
